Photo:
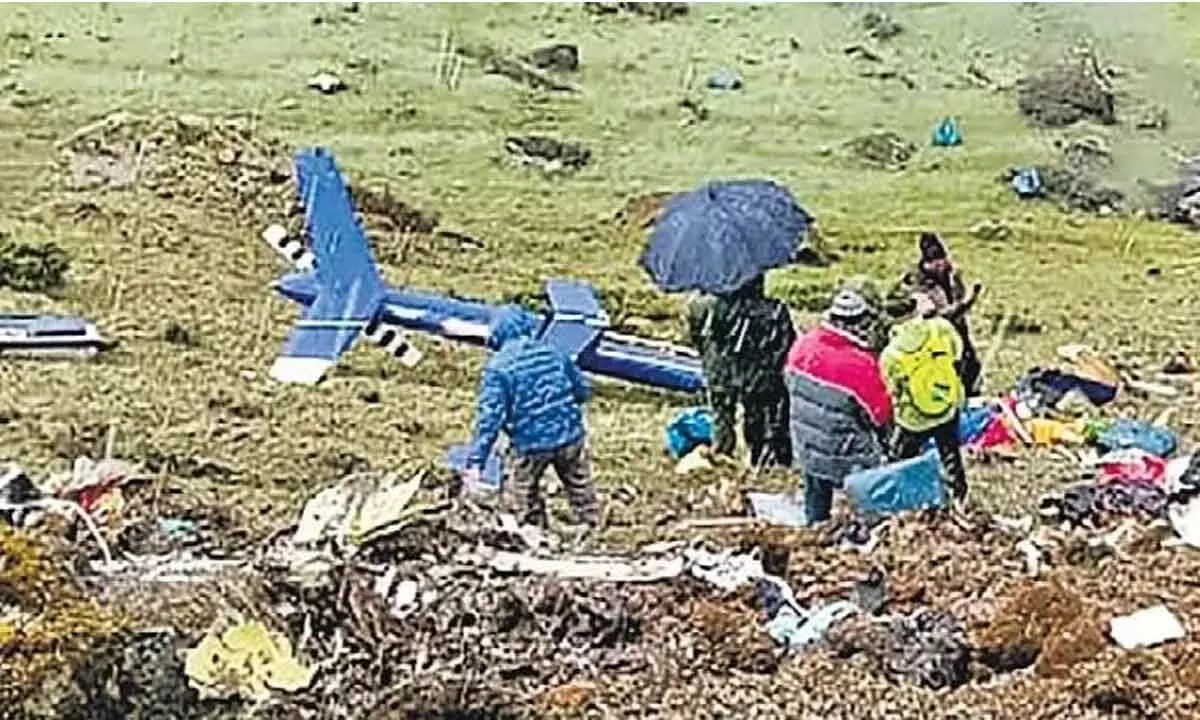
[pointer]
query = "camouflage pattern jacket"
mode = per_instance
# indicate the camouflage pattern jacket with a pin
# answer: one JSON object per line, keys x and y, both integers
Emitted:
{"x": 743, "y": 342}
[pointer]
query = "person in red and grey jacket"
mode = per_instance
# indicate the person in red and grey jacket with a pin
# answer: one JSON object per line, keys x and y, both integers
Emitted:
{"x": 841, "y": 411}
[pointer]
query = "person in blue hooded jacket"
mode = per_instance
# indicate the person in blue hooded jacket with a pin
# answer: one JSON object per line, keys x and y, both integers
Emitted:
{"x": 535, "y": 394}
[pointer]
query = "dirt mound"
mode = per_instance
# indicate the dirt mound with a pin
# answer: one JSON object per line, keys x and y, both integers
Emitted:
{"x": 559, "y": 57}
{"x": 383, "y": 212}
{"x": 651, "y": 10}
{"x": 547, "y": 153}
{"x": 221, "y": 165}
{"x": 1178, "y": 202}
{"x": 882, "y": 149}
{"x": 505, "y": 638}
{"x": 880, "y": 25}
{"x": 1073, "y": 89}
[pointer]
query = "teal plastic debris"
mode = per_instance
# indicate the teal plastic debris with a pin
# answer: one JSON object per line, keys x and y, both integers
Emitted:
{"x": 1125, "y": 433}
{"x": 913, "y": 484}
{"x": 795, "y": 632}
{"x": 689, "y": 429}
{"x": 947, "y": 134}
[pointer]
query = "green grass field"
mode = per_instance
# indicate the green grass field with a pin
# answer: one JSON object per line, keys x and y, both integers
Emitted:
{"x": 141, "y": 262}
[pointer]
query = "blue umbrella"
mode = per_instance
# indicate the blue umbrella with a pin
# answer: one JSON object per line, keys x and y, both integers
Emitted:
{"x": 719, "y": 237}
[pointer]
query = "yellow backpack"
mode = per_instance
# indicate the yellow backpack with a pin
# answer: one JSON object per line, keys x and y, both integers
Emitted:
{"x": 926, "y": 362}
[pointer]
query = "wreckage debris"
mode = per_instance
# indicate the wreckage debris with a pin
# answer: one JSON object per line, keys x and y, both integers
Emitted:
{"x": 559, "y": 57}
{"x": 547, "y": 153}
{"x": 1073, "y": 89}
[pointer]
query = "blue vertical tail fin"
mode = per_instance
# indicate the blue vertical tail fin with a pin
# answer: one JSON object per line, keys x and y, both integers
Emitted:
{"x": 350, "y": 289}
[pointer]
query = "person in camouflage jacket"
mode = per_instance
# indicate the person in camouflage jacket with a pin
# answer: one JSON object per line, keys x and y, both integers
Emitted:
{"x": 743, "y": 339}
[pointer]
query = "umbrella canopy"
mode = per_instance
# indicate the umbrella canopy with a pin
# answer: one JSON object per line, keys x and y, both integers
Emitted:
{"x": 724, "y": 234}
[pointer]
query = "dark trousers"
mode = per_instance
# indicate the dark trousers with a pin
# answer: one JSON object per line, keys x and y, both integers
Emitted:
{"x": 573, "y": 465}
{"x": 910, "y": 444}
{"x": 969, "y": 368}
{"x": 764, "y": 424}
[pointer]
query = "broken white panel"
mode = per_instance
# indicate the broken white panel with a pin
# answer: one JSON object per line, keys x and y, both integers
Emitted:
{"x": 1185, "y": 519}
{"x": 724, "y": 570}
{"x": 1145, "y": 628}
{"x": 583, "y": 568}
{"x": 778, "y": 508}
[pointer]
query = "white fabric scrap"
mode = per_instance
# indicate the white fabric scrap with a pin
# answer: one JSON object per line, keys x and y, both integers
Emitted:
{"x": 1144, "y": 628}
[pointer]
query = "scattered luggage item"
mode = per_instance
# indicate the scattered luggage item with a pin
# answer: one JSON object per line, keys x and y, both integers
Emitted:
{"x": 1185, "y": 520}
{"x": 492, "y": 477}
{"x": 1131, "y": 466}
{"x": 1055, "y": 432}
{"x": 947, "y": 134}
{"x": 973, "y": 423}
{"x": 1145, "y": 628}
{"x": 725, "y": 80}
{"x": 913, "y": 484}
{"x": 778, "y": 508}
{"x": 1049, "y": 388}
{"x": 30, "y": 335}
{"x": 1124, "y": 433}
{"x": 688, "y": 429}
{"x": 1027, "y": 183}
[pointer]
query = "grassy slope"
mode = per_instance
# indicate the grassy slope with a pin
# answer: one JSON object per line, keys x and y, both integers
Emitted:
{"x": 1084, "y": 282}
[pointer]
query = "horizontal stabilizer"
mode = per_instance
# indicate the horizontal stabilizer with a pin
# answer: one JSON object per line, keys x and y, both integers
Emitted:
{"x": 392, "y": 339}
{"x": 328, "y": 328}
{"x": 300, "y": 370}
{"x": 290, "y": 248}
{"x": 571, "y": 336}
{"x": 573, "y": 298}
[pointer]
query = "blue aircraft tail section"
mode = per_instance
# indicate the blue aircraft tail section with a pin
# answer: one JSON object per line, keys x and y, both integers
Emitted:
{"x": 350, "y": 290}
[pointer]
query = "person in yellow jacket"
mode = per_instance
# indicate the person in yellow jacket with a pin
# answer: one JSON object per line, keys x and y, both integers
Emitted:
{"x": 919, "y": 366}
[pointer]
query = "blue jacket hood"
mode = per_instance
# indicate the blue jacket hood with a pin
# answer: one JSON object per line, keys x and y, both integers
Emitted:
{"x": 511, "y": 323}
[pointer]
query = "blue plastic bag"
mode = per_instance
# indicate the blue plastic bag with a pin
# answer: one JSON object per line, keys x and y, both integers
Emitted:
{"x": 493, "y": 470}
{"x": 687, "y": 430}
{"x": 973, "y": 422}
{"x": 947, "y": 134}
{"x": 1125, "y": 433}
{"x": 1027, "y": 183}
{"x": 906, "y": 485}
